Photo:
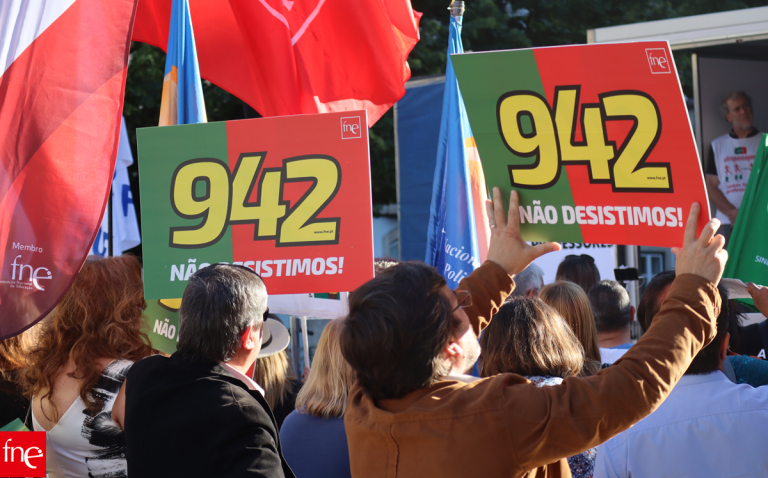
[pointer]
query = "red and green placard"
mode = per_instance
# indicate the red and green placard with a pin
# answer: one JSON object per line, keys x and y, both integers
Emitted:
{"x": 289, "y": 197}
{"x": 595, "y": 138}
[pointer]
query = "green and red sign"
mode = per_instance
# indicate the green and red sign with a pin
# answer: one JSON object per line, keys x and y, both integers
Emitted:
{"x": 289, "y": 197}
{"x": 595, "y": 138}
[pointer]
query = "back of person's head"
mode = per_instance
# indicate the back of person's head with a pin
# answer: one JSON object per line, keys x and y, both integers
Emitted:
{"x": 571, "y": 302}
{"x": 529, "y": 282}
{"x": 580, "y": 270}
{"x": 610, "y": 306}
{"x": 274, "y": 374}
{"x": 708, "y": 358}
{"x": 380, "y": 264}
{"x": 654, "y": 293}
{"x": 528, "y": 337}
{"x": 219, "y": 303}
{"x": 325, "y": 392}
{"x": 398, "y": 324}
{"x": 100, "y": 316}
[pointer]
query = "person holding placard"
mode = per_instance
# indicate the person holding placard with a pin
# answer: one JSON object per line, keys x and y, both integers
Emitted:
{"x": 405, "y": 329}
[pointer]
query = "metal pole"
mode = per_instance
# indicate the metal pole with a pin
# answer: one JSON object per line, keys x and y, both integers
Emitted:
{"x": 305, "y": 340}
{"x": 110, "y": 229}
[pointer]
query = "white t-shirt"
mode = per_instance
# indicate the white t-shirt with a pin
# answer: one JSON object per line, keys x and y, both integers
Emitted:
{"x": 81, "y": 446}
{"x": 733, "y": 159}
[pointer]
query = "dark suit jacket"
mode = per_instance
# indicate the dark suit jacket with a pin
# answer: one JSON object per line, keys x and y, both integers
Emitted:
{"x": 196, "y": 420}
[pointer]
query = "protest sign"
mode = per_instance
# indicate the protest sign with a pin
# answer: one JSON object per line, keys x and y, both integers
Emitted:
{"x": 595, "y": 138}
{"x": 162, "y": 316}
{"x": 747, "y": 251}
{"x": 288, "y": 197}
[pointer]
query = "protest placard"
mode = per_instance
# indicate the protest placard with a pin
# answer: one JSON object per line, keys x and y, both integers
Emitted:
{"x": 595, "y": 138}
{"x": 162, "y": 316}
{"x": 288, "y": 197}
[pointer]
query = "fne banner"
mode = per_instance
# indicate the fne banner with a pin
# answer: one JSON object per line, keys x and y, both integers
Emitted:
{"x": 595, "y": 138}
{"x": 288, "y": 197}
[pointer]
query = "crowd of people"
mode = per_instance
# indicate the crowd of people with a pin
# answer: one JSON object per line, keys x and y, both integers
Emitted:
{"x": 560, "y": 390}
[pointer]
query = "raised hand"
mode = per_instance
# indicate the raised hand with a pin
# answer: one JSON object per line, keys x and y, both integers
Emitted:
{"x": 507, "y": 247}
{"x": 704, "y": 256}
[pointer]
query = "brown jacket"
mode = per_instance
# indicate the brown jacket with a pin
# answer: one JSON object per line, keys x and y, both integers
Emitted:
{"x": 504, "y": 426}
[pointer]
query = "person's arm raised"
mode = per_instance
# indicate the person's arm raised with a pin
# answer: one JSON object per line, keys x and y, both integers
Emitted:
{"x": 584, "y": 412}
{"x": 508, "y": 254}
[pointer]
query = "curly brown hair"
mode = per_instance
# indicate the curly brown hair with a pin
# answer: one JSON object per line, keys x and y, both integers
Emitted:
{"x": 99, "y": 317}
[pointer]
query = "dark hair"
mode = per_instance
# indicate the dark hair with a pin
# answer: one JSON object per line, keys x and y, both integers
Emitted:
{"x": 219, "y": 303}
{"x": 580, "y": 270}
{"x": 708, "y": 358}
{"x": 650, "y": 302}
{"x": 528, "y": 337}
{"x": 397, "y": 327}
{"x": 610, "y": 305}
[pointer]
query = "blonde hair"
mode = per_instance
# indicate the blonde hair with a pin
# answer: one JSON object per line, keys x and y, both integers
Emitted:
{"x": 325, "y": 393}
{"x": 573, "y": 305}
{"x": 14, "y": 352}
{"x": 275, "y": 374}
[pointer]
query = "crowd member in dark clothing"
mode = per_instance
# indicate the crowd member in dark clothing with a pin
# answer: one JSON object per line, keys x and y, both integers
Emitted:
{"x": 13, "y": 358}
{"x": 276, "y": 377}
{"x": 197, "y": 413}
{"x": 753, "y": 339}
{"x": 738, "y": 368}
{"x": 580, "y": 270}
{"x": 314, "y": 440}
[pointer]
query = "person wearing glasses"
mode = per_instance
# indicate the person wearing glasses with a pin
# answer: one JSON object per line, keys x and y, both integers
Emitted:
{"x": 197, "y": 413}
{"x": 406, "y": 330}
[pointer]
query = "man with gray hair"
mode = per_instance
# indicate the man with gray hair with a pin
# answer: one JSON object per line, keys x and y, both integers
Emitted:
{"x": 197, "y": 413}
{"x": 730, "y": 160}
{"x": 528, "y": 283}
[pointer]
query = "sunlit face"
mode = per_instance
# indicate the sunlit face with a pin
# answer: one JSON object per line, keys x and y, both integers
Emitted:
{"x": 464, "y": 335}
{"x": 739, "y": 113}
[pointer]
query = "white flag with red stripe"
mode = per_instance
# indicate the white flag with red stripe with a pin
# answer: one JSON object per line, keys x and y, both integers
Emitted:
{"x": 61, "y": 93}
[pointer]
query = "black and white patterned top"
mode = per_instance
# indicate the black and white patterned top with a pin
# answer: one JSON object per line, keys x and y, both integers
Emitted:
{"x": 80, "y": 445}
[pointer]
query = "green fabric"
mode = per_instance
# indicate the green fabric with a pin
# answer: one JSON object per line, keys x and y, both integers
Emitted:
{"x": 15, "y": 426}
{"x": 748, "y": 247}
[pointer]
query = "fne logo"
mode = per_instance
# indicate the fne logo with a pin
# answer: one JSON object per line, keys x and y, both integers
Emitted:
{"x": 657, "y": 59}
{"x": 741, "y": 150}
{"x": 350, "y": 127}
{"x": 22, "y": 454}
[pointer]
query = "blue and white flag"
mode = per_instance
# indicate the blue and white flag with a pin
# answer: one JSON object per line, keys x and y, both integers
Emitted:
{"x": 457, "y": 238}
{"x": 125, "y": 227}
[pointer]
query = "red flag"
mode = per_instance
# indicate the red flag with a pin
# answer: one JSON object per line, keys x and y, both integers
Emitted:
{"x": 286, "y": 57}
{"x": 61, "y": 89}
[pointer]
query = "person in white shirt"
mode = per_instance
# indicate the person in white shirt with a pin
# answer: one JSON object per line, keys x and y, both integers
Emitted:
{"x": 708, "y": 426}
{"x": 730, "y": 160}
{"x": 613, "y": 314}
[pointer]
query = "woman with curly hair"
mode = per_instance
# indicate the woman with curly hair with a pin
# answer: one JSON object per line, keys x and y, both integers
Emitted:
{"x": 86, "y": 346}
{"x": 529, "y": 338}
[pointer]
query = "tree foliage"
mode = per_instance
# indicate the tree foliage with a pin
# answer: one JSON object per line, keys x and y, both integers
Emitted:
{"x": 488, "y": 25}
